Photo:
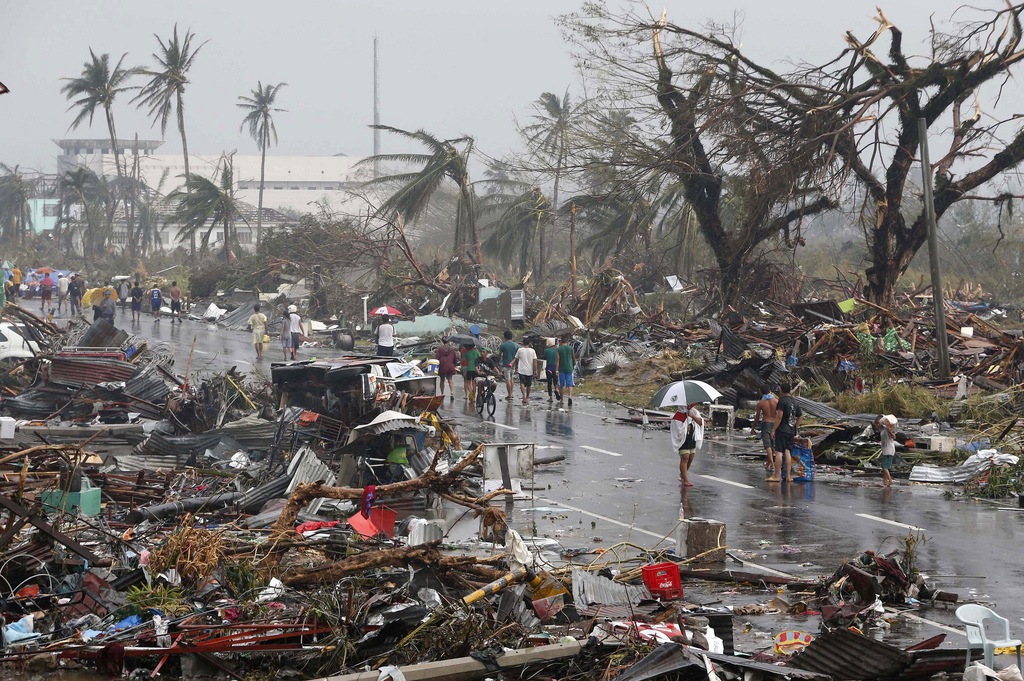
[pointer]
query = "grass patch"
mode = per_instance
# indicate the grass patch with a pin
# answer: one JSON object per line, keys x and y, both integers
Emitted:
{"x": 904, "y": 400}
{"x": 819, "y": 392}
{"x": 611, "y": 389}
{"x": 635, "y": 384}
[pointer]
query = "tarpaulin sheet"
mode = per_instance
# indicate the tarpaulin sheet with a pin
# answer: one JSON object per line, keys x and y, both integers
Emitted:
{"x": 974, "y": 466}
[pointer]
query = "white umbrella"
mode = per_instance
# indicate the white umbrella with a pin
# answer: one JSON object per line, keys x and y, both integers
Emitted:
{"x": 683, "y": 393}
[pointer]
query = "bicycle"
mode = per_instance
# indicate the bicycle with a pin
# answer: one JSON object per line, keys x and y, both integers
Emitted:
{"x": 485, "y": 396}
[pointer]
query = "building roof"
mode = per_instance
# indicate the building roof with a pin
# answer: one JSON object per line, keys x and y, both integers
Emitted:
{"x": 104, "y": 142}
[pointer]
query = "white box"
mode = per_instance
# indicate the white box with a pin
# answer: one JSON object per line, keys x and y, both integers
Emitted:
{"x": 940, "y": 443}
{"x": 7, "y": 428}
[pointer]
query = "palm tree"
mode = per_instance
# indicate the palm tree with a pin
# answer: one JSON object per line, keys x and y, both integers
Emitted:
{"x": 260, "y": 122}
{"x": 548, "y": 137}
{"x": 149, "y": 214}
{"x": 15, "y": 212}
{"x": 98, "y": 87}
{"x": 166, "y": 88}
{"x": 519, "y": 220}
{"x": 204, "y": 201}
{"x": 81, "y": 186}
{"x": 448, "y": 159}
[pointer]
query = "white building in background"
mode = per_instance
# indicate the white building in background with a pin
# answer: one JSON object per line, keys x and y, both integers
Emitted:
{"x": 293, "y": 183}
{"x": 96, "y": 154}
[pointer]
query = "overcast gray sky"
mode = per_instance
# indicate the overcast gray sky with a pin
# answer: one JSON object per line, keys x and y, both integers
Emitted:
{"x": 447, "y": 67}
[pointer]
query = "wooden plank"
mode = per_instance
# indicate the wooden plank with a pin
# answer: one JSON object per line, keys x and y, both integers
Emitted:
{"x": 464, "y": 668}
{"x": 48, "y": 529}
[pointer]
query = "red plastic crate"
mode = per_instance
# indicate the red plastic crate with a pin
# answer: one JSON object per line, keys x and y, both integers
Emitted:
{"x": 662, "y": 576}
{"x": 667, "y": 594}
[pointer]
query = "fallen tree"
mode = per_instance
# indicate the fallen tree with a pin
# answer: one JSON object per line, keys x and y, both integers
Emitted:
{"x": 422, "y": 555}
{"x": 449, "y": 485}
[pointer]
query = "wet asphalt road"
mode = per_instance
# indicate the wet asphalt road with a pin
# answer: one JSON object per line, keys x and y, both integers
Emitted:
{"x": 619, "y": 483}
{"x": 623, "y": 479}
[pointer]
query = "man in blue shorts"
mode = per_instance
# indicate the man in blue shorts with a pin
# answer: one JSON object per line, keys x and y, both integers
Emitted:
{"x": 788, "y": 416}
{"x": 565, "y": 366}
{"x": 156, "y": 299}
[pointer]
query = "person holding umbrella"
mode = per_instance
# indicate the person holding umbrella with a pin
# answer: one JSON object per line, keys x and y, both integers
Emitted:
{"x": 385, "y": 335}
{"x": 107, "y": 308}
{"x": 687, "y": 437}
{"x": 687, "y": 426}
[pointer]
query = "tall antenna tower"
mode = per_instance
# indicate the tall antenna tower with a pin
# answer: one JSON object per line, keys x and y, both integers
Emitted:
{"x": 376, "y": 109}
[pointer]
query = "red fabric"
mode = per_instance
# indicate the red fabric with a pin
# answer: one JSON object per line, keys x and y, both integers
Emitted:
{"x": 313, "y": 525}
{"x": 446, "y": 361}
{"x": 369, "y": 494}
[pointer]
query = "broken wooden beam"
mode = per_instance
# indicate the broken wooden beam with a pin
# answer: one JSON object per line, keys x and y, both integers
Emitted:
{"x": 465, "y": 668}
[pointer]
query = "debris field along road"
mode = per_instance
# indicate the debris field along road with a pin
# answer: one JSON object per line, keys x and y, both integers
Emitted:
{"x": 821, "y": 521}
{"x": 833, "y": 516}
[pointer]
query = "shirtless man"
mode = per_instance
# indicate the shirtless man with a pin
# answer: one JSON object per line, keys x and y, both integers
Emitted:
{"x": 175, "y": 294}
{"x": 765, "y": 415}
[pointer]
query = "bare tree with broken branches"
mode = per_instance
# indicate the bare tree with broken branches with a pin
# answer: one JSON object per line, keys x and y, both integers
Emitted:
{"x": 739, "y": 160}
{"x": 759, "y": 150}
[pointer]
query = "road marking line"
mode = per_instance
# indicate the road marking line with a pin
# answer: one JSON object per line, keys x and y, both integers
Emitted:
{"x": 500, "y": 425}
{"x": 603, "y": 451}
{"x": 891, "y": 522}
{"x": 549, "y": 447}
{"x": 918, "y": 618}
{"x": 728, "y": 482}
{"x": 607, "y": 519}
{"x": 663, "y": 537}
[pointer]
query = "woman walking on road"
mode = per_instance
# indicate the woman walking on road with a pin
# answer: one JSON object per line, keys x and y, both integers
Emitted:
{"x": 286, "y": 333}
{"x": 258, "y": 326}
{"x": 448, "y": 366}
{"x": 687, "y": 437}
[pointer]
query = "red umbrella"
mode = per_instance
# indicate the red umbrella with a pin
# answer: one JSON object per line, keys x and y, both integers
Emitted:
{"x": 45, "y": 270}
{"x": 384, "y": 309}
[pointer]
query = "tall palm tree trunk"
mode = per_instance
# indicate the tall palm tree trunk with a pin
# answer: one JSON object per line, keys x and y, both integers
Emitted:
{"x": 263, "y": 167}
{"x": 542, "y": 237}
{"x": 117, "y": 165}
{"x": 467, "y": 205}
{"x": 184, "y": 154}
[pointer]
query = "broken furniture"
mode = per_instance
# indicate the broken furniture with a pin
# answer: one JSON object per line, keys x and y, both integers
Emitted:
{"x": 974, "y": 617}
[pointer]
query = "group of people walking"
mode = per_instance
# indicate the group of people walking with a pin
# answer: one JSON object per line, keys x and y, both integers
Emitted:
{"x": 290, "y": 331}
{"x": 529, "y": 362}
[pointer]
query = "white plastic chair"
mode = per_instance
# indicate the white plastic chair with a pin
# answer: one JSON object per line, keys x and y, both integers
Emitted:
{"x": 974, "y": 617}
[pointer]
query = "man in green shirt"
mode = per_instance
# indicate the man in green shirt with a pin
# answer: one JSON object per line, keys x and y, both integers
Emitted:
{"x": 508, "y": 351}
{"x": 551, "y": 371}
{"x": 565, "y": 366}
{"x": 469, "y": 360}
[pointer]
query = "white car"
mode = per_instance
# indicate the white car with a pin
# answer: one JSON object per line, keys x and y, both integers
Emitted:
{"x": 13, "y": 346}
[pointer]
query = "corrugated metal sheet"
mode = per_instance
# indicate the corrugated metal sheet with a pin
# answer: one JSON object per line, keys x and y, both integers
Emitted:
{"x": 397, "y": 424}
{"x": 89, "y": 370}
{"x": 821, "y": 411}
{"x": 590, "y": 590}
{"x": 849, "y": 656}
{"x": 39, "y": 403}
{"x": 251, "y": 432}
{"x": 179, "y": 445}
{"x": 147, "y": 384}
{"x": 103, "y": 334}
{"x": 238, "y": 318}
{"x": 665, "y": 659}
{"x": 306, "y": 466}
{"x": 149, "y": 462}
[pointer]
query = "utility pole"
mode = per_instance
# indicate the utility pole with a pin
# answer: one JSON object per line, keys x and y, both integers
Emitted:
{"x": 933, "y": 251}
{"x": 572, "y": 247}
{"x": 376, "y": 109}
